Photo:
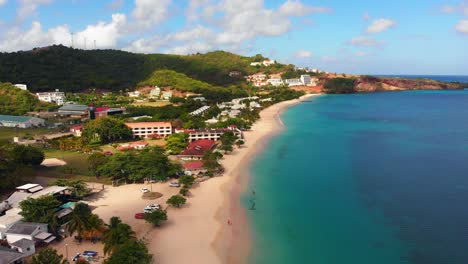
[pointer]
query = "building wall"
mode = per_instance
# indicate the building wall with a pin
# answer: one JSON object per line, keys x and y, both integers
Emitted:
{"x": 146, "y": 131}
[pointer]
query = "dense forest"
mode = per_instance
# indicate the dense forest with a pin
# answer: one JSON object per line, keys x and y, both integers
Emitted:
{"x": 74, "y": 70}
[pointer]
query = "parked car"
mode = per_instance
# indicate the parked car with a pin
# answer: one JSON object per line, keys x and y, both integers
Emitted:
{"x": 139, "y": 215}
{"x": 174, "y": 184}
{"x": 150, "y": 208}
{"x": 145, "y": 190}
{"x": 90, "y": 253}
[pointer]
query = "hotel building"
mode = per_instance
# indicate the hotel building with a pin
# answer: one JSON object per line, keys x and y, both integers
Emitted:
{"x": 146, "y": 129}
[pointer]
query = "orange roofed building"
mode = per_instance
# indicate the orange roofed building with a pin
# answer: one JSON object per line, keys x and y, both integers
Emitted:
{"x": 148, "y": 129}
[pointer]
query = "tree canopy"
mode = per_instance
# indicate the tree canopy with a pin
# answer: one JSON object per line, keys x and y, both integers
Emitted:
{"x": 40, "y": 210}
{"x": 105, "y": 130}
{"x": 130, "y": 252}
{"x": 176, "y": 200}
{"x": 177, "y": 142}
{"x": 48, "y": 256}
{"x": 339, "y": 85}
{"x": 156, "y": 217}
{"x": 14, "y": 101}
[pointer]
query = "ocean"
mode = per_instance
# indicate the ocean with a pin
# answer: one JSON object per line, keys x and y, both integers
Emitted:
{"x": 364, "y": 178}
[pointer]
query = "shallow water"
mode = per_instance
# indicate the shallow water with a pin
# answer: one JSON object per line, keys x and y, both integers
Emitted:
{"x": 368, "y": 178}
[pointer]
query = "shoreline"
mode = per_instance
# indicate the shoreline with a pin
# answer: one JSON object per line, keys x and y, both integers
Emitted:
{"x": 233, "y": 242}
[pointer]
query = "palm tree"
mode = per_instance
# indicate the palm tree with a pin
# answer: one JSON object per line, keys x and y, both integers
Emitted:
{"x": 79, "y": 221}
{"x": 116, "y": 234}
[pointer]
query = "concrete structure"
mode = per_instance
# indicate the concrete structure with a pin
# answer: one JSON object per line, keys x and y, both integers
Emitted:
{"x": 74, "y": 110}
{"x": 275, "y": 82}
{"x": 52, "y": 97}
{"x": 197, "y": 149}
{"x": 305, "y": 79}
{"x": 155, "y": 93}
{"x": 166, "y": 95}
{"x": 23, "y": 87}
{"x": 25, "y": 246}
{"x": 107, "y": 111}
{"x": 21, "y": 121}
{"x": 146, "y": 129}
{"x": 268, "y": 62}
{"x": 200, "y": 110}
{"x": 31, "y": 231}
{"x": 199, "y": 98}
{"x": 255, "y": 63}
{"x": 10, "y": 218}
{"x": 210, "y": 134}
{"x": 10, "y": 256}
{"x": 294, "y": 82}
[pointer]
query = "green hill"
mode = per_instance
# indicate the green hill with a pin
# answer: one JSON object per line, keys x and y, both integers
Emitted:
{"x": 14, "y": 101}
{"x": 73, "y": 70}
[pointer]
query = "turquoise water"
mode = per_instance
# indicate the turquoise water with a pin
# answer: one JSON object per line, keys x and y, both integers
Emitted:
{"x": 369, "y": 178}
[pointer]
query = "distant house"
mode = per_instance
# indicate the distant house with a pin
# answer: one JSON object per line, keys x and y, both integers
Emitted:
{"x": 199, "y": 98}
{"x": 166, "y": 95}
{"x": 25, "y": 246}
{"x": 10, "y": 218}
{"x": 74, "y": 110}
{"x": 36, "y": 232}
{"x": 305, "y": 79}
{"x": 23, "y": 87}
{"x": 200, "y": 111}
{"x": 197, "y": 149}
{"x": 10, "y": 256}
{"x": 20, "y": 121}
{"x": 255, "y": 63}
{"x": 133, "y": 145}
{"x": 155, "y": 93}
{"x": 268, "y": 62}
{"x": 194, "y": 167}
{"x": 134, "y": 94}
{"x": 107, "y": 111}
{"x": 235, "y": 74}
{"x": 52, "y": 97}
{"x": 77, "y": 130}
{"x": 147, "y": 129}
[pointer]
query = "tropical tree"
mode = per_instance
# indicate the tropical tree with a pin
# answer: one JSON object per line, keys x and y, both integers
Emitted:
{"x": 210, "y": 160}
{"x": 130, "y": 252}
{"x": 40, "y": 210}
{"x": 95, "y": 160}
{"x": 156, "y": 217}
{"x": 239, "y": 143}
{"x": 184, "y": 192}
{"x": 79, "y": 220}
{"x": 176, "y": 201}
{"x": 79, "y": 188}
{"x": 48, "y": 256}
{"x": 105, "y": 130}
{"x": 177, "y": 142}
{"x": 117, "y": 233}
{"x": 187, "y": 181}
{"x": 227, "y": 140}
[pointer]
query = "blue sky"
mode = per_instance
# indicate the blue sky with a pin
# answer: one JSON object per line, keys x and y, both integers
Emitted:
{"x": 360, "y": 36}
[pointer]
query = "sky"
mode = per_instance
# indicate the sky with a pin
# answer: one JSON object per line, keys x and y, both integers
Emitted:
{"x": 359, "y": 36}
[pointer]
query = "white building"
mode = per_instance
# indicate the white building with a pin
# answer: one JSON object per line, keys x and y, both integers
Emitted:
{"x": 294, "y": 82}
{"x": 255, "y": 64}
{"x": 155, "y": 93}
{"x": 134, "y": 94}
{"x": 29, "y": 231}
{"x": 305, "y": 79}
{"x": 52, "y": 97}
{"x": 275, "y": 82}
{"x": 146, "y": 129}
{"x": 210, "y": 134}
{"x": 21, "y": 86}
{"x": 166, "y": 95}
{"x": 200, "y": 110}
{"x": 268, "y": 62}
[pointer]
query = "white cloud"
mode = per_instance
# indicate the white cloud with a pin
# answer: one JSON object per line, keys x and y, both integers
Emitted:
{"x": 2, "y": 2}
{"x": 296, "y": 8}
{"x": 28, "y": 7}
{"x": 462, "y": 27}
{"x": 105, "y": 34}
{"x": 303, "y": 54}
{"x": 461, "y": 8}
{"x": 380, "y": 25}
{"x": 149, "y": 13}
{"x": 365, "y": 41}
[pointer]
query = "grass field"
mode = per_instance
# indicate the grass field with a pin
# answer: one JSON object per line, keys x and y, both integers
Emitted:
{"x": 7, "y": 133}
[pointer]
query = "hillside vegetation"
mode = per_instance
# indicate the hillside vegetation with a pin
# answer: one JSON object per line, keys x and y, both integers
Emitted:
{"x": 14, "y": 101}
{"x": 73, "y": 70}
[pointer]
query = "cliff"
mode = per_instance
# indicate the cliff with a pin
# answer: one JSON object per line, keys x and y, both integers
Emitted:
{"x": 365, "y": 84}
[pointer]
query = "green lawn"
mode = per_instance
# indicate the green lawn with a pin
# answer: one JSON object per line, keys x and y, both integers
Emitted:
{"x": 7, "y": 133}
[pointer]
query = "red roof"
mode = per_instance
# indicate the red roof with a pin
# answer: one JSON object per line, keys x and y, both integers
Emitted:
{"x": 77, "y": 127}
{"x": 194, "y": 165}
{"x": 103, "y": 108}
{"x": 198, "y": 147}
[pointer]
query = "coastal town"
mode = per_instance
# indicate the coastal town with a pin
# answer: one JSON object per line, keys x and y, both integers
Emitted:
{"x": 86, "y": 155}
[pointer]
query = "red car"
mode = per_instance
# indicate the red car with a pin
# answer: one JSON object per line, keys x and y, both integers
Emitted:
{"x": 140, "y": 215}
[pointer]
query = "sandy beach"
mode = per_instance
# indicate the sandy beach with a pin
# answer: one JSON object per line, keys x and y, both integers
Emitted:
{"x": 199, "y": 231}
